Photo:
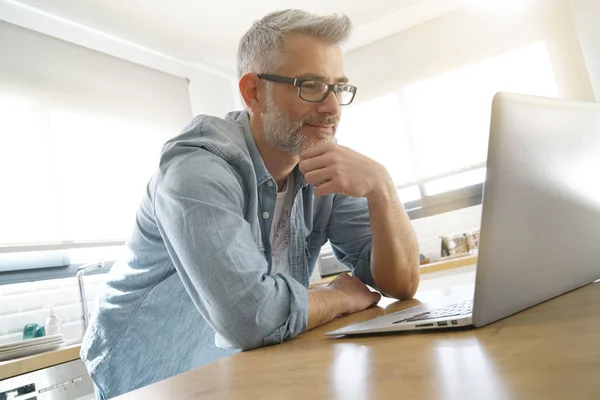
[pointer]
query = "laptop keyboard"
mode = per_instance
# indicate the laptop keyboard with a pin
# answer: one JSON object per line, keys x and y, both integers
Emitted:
{"x": 462, "y": 308}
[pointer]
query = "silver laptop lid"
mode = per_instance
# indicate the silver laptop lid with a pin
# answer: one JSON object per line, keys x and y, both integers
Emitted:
{"x": 540, "y": 229}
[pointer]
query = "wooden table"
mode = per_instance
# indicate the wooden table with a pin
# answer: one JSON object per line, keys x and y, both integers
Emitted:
{"x": 551, "y": 351}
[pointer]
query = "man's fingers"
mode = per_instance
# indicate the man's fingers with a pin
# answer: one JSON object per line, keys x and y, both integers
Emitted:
{"x": 319, "y": 176}
{"x": 316, "y": 151}
{"x": 325, "y": 189}
{"x": 312, "y": 164}
{"x": 376, "y": 297}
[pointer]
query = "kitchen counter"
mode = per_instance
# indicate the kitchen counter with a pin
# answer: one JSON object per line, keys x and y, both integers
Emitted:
{"x": 20, "y": 366}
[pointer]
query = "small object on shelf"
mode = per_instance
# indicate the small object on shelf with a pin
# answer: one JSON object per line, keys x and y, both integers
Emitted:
{"x": 453, "y": 245}
{"x": 29, "y": 331}
{"x": 473, "y": 241}
{"x": 53, "y": 324}
{"x": 40, "y": 331}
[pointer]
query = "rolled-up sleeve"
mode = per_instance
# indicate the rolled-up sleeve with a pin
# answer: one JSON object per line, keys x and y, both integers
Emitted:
{"x": 199, "y": 209}
{"x": 349, "y": 232}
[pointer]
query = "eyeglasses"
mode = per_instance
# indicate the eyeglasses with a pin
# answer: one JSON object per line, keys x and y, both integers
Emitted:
{"x": 315, "y": 91}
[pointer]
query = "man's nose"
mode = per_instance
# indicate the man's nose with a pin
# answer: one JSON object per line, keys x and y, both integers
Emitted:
{"x": 330, "y": 105}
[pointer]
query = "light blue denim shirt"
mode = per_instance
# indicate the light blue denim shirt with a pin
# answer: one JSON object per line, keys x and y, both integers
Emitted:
{"x": 196, "y": 284}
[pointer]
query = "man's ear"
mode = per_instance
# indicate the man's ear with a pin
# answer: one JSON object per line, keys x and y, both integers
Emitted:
{"x": 252, "y": 91}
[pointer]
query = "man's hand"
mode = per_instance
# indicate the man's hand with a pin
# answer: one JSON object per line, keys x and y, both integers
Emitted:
{"x": 358, "y": 295}
{"x": 332, "y": 168}
{"x": 344, "y": 295}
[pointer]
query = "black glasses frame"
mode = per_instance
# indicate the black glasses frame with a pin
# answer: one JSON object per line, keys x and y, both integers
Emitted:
{"x": 331, "y": 87}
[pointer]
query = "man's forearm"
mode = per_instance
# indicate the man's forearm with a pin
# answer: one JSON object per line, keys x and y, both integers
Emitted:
{"x": 395, "y": 250}
{"x": 324, "y": 305}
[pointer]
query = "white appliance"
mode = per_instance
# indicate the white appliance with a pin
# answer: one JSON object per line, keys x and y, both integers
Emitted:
{"x": 328, "y": 264}
{"x": 68, "y": 381}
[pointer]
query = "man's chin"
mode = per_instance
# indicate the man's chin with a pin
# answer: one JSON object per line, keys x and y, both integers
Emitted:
{"x": 308, "y": 142}
{"x": 317, "y": 142}
{"x": 318, "y": 135}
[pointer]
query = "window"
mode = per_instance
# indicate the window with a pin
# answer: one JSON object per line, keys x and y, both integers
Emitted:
{"x": 432, "y": 135}
{"x": 71, "y": 176}
{"x": 80, "y": 136}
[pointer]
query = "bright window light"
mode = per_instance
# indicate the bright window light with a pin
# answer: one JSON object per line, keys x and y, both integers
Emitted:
{"x": 450, "y": 113}
{"x": 103, "y": 173}
{"x": 375, "y": 129}
{"x": 410, "y": 193}
{"x": 28, "y": 210}
{"x": 455, "y": 182}
{"x": 502, "y": 6}
{"x": 71, "y": 175}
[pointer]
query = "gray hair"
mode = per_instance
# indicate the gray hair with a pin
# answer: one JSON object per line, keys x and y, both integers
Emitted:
{"x": 259, "y": 49}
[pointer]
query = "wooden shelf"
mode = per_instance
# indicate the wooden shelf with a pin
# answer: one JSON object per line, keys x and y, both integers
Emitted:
{"x": 455, "y": 262}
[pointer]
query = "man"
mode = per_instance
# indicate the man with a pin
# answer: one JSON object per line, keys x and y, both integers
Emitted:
{"x": 232, "y": 223}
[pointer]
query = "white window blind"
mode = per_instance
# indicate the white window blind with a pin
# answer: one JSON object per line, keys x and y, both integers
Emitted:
{"x": 432, "y": 135}
{"x": 80, "y": 135}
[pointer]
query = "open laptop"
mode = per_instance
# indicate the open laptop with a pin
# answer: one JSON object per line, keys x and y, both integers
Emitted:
{"x": 540, "y": 226}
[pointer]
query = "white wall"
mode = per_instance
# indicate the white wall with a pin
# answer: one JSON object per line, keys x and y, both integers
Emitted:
{"x": 586, "y": 18}
{"x": 69, "y": 74}
{"x": 468, "y": 36}
{"x": 210, "y": 90}
{"x": 211, "y": 94}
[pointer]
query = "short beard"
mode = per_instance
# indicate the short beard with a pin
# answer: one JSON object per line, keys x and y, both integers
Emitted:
{"x": 285, "y": 134}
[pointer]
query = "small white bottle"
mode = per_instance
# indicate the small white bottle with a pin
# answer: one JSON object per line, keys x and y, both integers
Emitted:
{"x": 53, "y": 324}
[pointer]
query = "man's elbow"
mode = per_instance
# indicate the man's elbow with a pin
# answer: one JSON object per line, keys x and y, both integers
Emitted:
{"x": 404, "y": 292}
{"x": 239, "y": 332}
{"x": 249, "y": 335}
{"x": 410, "y": 289}
{"x": 238, "y": 338}
{"x": 404, "y": 288}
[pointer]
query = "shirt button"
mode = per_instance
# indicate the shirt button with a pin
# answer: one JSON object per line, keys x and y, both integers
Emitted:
{"x": 266, "y": 215}
{"x": 270, "y": 183}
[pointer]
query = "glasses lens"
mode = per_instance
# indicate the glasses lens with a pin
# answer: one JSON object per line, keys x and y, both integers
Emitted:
{"x": 312, "y": 90}
{"x": 315, "y": 91}
{"x": 346, "y": 95}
